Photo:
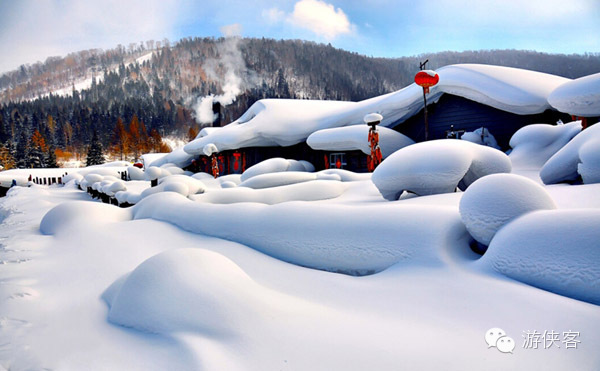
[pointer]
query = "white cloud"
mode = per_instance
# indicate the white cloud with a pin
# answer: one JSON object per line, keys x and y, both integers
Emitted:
{"x": 273, "y": 15}
{"x": 321, "y": 18}
{"x": 231, "y": 30}
{"x": 33, "y": 30}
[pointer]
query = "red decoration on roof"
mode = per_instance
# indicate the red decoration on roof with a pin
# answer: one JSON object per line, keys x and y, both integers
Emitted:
{"x": 426, "y": 79}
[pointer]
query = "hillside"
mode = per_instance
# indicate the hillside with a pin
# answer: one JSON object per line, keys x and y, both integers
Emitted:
{"x": 170, "y": 88}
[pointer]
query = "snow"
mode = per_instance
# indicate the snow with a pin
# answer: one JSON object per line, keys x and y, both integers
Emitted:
{"x": 555, "y": 250}
{"x": 209, "y": 149}
{"x": 209, "y": 303}
{"x": 178, "y": 157}
{"x": 355, "y": 137}
{"x": 270, "y": 180}
{"x": 579, "y": 97}
{"x": 493, "y": 201}
{"x": 61, "y": 218}
{"x": 135, "y": 173}
{"x": 437, "y": 166}
{"x": 300, "y": 233}
{"x": 274, "y": 165}
{"x": 589, "y": 168}
{"x": 206, "y": 287}
{"x": 509, "y": 89}
{"x": 533, "y": 145}
{"x": 481, "y": 136}
{"x": 313, "y": 190}
{"x": 262, "y": 124}
{"x": 372, "y": 117}
{"x": 562, "y": 166}
{"x": 149, "y": 158}
{"x": 178, "y": 183}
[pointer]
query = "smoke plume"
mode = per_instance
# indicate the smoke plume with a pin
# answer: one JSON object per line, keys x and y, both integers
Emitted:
{"x": 228, "y": 70}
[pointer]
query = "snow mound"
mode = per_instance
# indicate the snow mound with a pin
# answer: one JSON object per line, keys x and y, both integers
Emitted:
{"x": 303, "y": 191}
{"x": 481, "y": 136}
{"x": 153, "y": 172}
{"x": 187, "y": 289}
{"x": 589, "y": 168}
{"x": 209, "y": 149}
{"x": 301, "y": 233}
{"x": 307, "y": 166}
{"x": 344, "y": 175}
{"x": 493, "y": 201}
{"x": 534, "y": 144}
{"x": 178, "y": 157}
{"x": 562, "y": 166}
{"x": 61, "y": 216}
{"x": 275, "y": 165}
{"x": 135, "y": 173}
{"x": 277, "y": 179}
{"x": 553, "y": 250}
{"x": 437, "y": 167}
{"x": 93, "y": 178}
{"x": 579, "y": 97}
{"x": 182, "y": 184}
{"x": 73, "y": 176}
{"x": 355, "y": 137}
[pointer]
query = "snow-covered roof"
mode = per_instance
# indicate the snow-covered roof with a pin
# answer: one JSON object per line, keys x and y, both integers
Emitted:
{"x": 272, "y": 122}
{"x": 284, "y": 122}
{"x": 579, "y": 97}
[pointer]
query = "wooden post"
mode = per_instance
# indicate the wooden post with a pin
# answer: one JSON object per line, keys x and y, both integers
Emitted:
{"x": 425, "y": 113}
{"x": 422, "y": 67}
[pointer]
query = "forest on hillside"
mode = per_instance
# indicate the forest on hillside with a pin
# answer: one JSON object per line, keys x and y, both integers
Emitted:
{"x": 139, "y": 94}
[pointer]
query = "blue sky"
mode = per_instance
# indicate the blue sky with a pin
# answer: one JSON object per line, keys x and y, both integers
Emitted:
{"x": 32, "y": 30}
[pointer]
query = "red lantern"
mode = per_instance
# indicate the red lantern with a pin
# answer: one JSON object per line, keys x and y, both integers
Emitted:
{"x": 426, "y": 79}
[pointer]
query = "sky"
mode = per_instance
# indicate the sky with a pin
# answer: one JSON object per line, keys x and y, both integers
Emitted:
{"x": 32, "y": 30}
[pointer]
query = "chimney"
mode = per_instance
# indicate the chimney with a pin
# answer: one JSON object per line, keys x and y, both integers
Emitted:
{"x": 216, "y": 107}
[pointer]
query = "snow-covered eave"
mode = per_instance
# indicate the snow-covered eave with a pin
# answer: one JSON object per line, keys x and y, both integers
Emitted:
{"x": 579, "y": 97}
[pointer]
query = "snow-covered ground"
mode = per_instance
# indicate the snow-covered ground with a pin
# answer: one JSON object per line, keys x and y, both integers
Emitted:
{"x": 246, "y": 277}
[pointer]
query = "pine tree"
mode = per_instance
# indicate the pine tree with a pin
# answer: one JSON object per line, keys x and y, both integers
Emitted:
{"x": 51, "y": 158}
{"x": 22, "y": 151}
{"x": 35, "y": 158}
{"x": 94, "y": 154}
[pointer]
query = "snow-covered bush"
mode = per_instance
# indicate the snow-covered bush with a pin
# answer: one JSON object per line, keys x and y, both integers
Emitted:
{"x": 533, "y": 145}
{"x": 275, "y": 165}
{"x": 562, "y": 166}
{"x": 493, "y": 201}
{"x": 554, "y": 250}
{"x": 437, "y": 167}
